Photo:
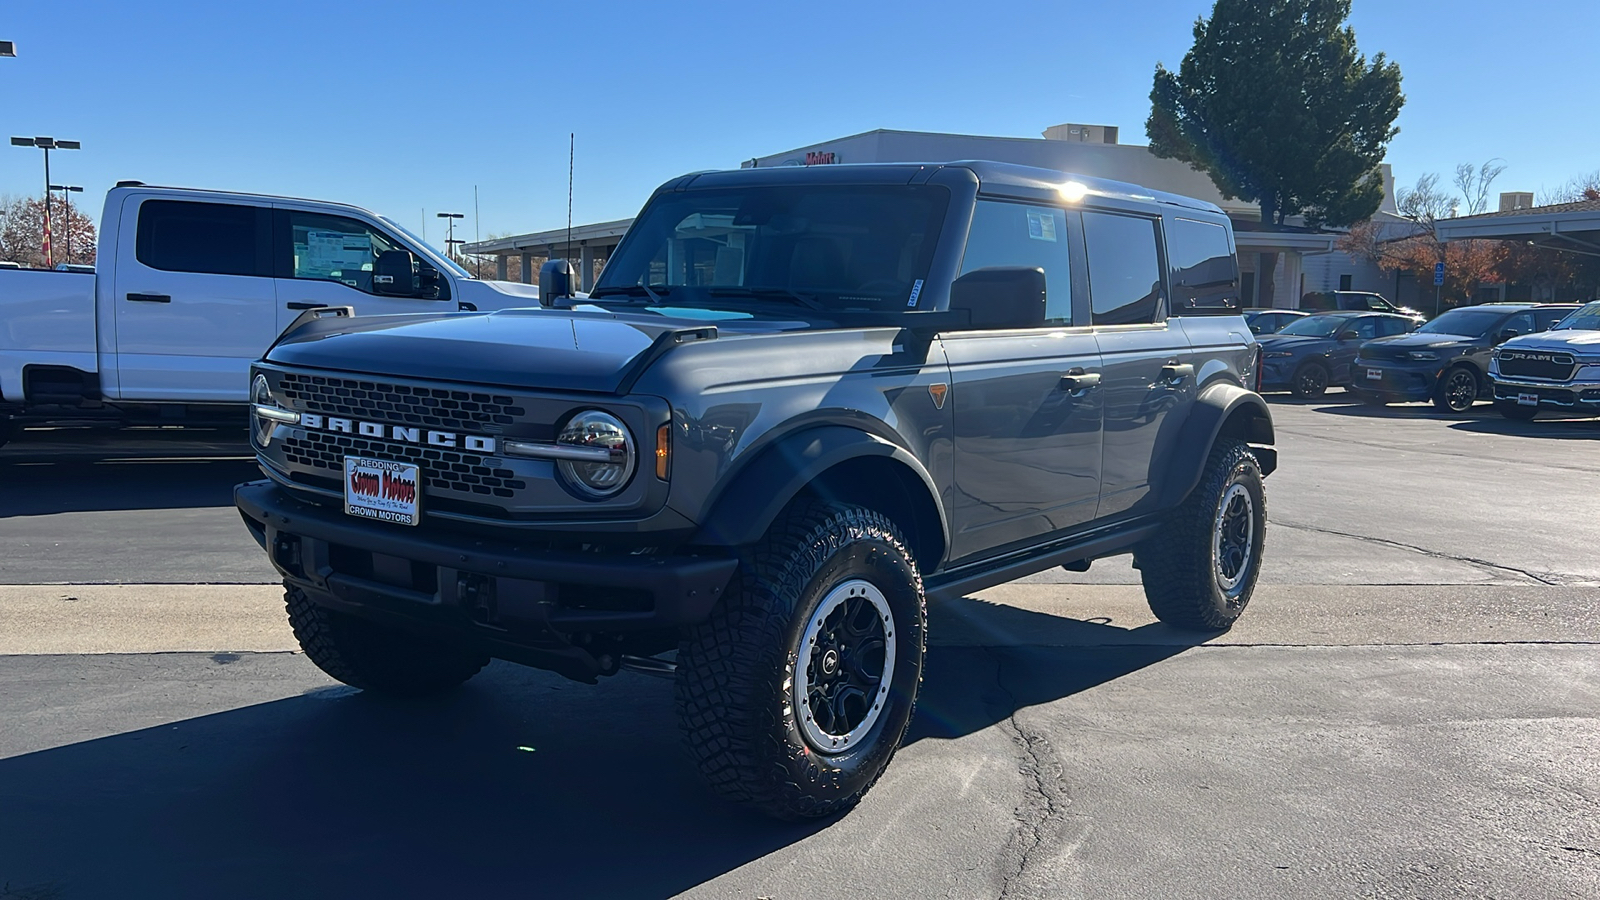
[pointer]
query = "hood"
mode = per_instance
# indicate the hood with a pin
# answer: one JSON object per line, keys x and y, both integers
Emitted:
{"x": 1415, "y": 341}
{"x": 518, "y": 348}
{"x": 1293, "y": 343}
{"x": 513, "y": 288}
{"x": 1581, "y": 343}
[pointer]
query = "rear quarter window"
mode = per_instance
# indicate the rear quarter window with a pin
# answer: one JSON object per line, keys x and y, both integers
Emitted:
{"x": 1205, "y": 270}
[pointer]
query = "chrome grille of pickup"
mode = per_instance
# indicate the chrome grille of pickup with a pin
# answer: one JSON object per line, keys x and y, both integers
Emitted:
{"x": 415, "y": 405}
{"x": 444, "y": 470}
{"x": 1537, "y": 364}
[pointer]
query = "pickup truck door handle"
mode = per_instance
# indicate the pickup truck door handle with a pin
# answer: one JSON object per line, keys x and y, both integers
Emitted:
{"x": 301, "y": 304}
{"x": 150, "y": 298}
{"x": 1173, "y": 374}
{"x": 1079, "y": 380}
{"x": 464, "y": 306}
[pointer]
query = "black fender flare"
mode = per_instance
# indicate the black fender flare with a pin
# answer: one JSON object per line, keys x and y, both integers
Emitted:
{"x": 1221, "y": 405}
{"x": 740, "y": 513}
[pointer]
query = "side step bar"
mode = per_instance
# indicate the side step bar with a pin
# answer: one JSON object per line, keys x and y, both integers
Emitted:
{"x": 967, "y": 579}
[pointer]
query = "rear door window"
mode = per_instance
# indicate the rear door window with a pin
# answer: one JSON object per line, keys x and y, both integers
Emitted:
{"x": 1545, "y": 319}
{"x": 1206, "y": 272}
{"x": 1020, "y": 234}
{"x": 208, "y": 238}
{"x": 1124, "y": 268}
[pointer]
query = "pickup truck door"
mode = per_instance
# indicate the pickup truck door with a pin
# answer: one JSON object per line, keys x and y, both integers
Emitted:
{"x": 1027, "y": 404}
{"x": 323, "y": 259}
{"x": 193, "y": 299}
{"x": 1148, "y": 364}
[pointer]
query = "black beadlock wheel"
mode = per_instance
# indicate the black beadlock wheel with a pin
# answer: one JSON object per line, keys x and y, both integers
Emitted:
{"x": 374, "y": 657}
{"x": 1517, "y": 411}
{"x": 1310, "y": 381}
{"x": 795, "y": 694}
{"x": 1457, "y": 391}
{"x": 1201, "y": 569}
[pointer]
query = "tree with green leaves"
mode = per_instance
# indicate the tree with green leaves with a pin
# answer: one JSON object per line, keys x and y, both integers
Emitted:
{"x": 1277, "y": 105}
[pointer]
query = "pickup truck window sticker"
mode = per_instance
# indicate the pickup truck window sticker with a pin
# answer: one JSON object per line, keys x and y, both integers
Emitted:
{"x": 1042, "y": 225}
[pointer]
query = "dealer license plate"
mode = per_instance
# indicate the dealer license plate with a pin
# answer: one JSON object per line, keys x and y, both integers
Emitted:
{"x": 1374, "y": 374}
{"x": 381, "y": 489}
{"x": 1527, "y": 399}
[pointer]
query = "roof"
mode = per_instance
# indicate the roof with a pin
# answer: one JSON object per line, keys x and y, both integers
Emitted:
{"x": 1574, "y": 227}
{"x": 141, "y": 186}
{"x": 555, "y": 237}
{"x": 991, "y": 175}
{"x": 1551, "y": 209}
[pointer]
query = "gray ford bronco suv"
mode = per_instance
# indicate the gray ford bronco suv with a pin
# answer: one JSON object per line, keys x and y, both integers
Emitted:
{"x": 798, "y": 404}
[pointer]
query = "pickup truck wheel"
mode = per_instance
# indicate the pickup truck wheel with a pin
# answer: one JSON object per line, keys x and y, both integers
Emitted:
{"x": 1201, "y": 569}
{"x": 373, "y": 657}
{"x": 795, "y": 694}
{"x": 1517, "y": 411}
{"x": 1457, "y": 390}
{"x": 1310, "y": 381}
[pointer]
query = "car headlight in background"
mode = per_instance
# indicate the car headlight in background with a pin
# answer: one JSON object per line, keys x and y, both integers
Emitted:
{"x": 1423, "y": 355}
{"x": 594, "y": 452}
{"x": 1276, "y": 354}
{"x": 266, "y": 413}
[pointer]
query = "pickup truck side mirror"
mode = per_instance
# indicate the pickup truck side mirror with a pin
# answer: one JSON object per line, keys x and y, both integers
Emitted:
{"x": 427, "y": 281}
{"x": 394, "y": 274}
{"x": 556, "y": 283}
{"x": 1001, "y": 297}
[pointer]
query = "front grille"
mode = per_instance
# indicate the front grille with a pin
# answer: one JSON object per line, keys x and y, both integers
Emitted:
{"x": 1379, "y": 352}
{"x": 453, "y": 410}
{"x": 445, "y": 470}
{"x": 1537, "y": 364}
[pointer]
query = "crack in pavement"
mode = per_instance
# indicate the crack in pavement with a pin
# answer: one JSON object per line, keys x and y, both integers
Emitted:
{"x": 1041, "y": 813}
{"x": 1554, "y": 579}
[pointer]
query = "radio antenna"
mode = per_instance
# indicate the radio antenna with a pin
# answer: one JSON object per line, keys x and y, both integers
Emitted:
{"x": 572, "y": 145}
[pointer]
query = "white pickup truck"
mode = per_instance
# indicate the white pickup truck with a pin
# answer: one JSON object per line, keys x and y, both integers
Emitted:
{"x": 190, "y": 287}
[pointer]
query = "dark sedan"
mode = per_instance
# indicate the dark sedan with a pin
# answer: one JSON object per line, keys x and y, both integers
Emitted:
{"x": 1315, "y": 353}
{"x": 1266, "y": 320}
{"x": 1447, "y": 360}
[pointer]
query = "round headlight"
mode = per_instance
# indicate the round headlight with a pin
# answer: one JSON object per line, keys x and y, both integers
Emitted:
{"x": 599, "y": 431}
{"x": 261, "y": 395}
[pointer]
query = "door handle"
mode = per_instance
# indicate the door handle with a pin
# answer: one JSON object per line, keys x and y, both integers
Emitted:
{"x": 464, "y": 306}
{"x": 1172, "y": 374}
{"x": 150, "y": 298}
{"x": 1079, "y": 380}
{"x": 301, "y": 304}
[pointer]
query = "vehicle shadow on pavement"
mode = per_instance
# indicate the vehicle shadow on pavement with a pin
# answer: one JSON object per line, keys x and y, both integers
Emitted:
{"x": 1546, "y": 429}
{"x": 518, "y": 782}
{"x": 36, "y": 485}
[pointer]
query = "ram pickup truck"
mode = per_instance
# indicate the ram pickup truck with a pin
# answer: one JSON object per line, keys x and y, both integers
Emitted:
{"x": 1557, "y": 369}
{"x": 189, "y": 289}
{"x": 798, "y": 404}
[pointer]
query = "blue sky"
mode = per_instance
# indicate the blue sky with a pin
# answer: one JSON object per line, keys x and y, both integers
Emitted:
{"x": 402, "y": 107}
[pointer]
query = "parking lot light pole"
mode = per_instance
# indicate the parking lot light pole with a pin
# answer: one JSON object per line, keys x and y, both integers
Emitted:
{"x": 450, "y": 232}
{"x": 46, "y": 144}
{"x": 67, "y": 190}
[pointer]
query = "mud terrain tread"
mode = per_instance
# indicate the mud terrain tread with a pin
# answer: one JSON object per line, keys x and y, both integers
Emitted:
{"x": 1176, "y": 565}
{"x": 725, "y": 665}
{"x": 372, "y": 657}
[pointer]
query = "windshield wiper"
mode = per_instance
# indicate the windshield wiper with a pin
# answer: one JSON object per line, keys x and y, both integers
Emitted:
{"x": 630, "y": 290}
{"x": 809, "y": 301}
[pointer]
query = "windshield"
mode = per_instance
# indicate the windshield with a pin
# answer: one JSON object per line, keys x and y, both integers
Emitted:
{"x": 1465, "y": 322}
{"x": 1315, "y": 326}
{"x": 419, "y": 242}
{"x": 826, "y": 247}
{"x": 1585, "y": 318}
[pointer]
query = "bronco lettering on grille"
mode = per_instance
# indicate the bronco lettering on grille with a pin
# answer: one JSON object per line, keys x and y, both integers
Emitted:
{"x": 475, "y": 443}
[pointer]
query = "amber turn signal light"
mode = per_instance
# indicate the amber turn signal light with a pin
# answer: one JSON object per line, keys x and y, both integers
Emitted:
{"x": 663, "y": 451}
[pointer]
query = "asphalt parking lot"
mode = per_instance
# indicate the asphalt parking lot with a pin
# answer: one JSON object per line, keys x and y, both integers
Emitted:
{"x": 1409, "y": 709}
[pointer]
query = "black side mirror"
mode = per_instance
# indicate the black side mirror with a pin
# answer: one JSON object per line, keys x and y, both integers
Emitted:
{"x": 556, "y": 280}
{"x": 1000, "y": 297}
{"x": 394, "y": 274}
{"x": 1509, "y": 333}
{"x": 427, "y": 281}
{"x": 1349, "y": 335}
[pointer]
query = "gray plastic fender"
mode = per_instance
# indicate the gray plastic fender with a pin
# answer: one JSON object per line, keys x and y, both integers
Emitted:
{"x": 1216, "y": 406}
{"x": 743, "y": 510}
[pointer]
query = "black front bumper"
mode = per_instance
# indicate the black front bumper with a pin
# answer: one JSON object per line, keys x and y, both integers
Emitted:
{"x": 519, "y": 603}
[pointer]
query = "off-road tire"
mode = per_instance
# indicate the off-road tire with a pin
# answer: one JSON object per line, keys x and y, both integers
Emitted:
{"x": 737, "y": 672}
{"x": 1442, "y": 395}
{"x": 1310, "y": 381}
{"x": 1179, "y": 566}
{"x": 1516, "y": 411}
{"x": 374, "y": 657}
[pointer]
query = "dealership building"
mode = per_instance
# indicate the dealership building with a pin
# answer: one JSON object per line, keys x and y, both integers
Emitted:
{"x": 1307, "y": 259}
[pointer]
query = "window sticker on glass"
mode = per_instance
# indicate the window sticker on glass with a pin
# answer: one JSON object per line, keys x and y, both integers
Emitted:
{"x": 1042, "y": 225}
{"x": 328, "y": 252}
{"x": 916, "y": 289}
